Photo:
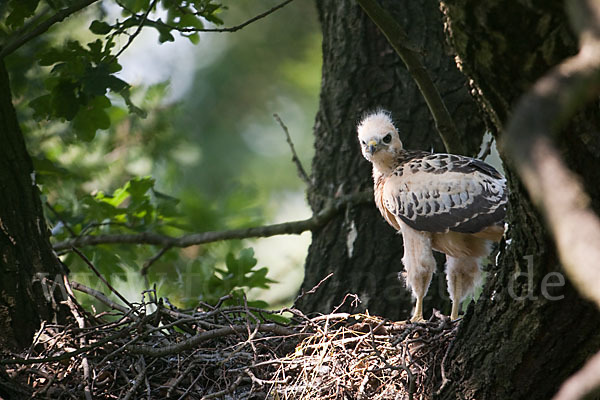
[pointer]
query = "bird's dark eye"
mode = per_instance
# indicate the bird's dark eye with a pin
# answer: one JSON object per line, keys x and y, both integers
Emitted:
{"x": 363, "y": 142}
{"x": 387, "y": 138}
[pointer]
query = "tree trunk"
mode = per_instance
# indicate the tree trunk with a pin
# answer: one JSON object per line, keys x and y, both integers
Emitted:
{"x": 360, "y": 73}
{"x": 26, "y": 256}
{"x": 526, "y": 335}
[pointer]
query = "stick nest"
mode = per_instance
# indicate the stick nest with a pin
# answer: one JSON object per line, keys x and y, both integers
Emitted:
{"x": 230, "y": 353}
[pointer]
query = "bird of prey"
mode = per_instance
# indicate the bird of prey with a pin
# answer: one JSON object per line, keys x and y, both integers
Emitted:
{"x": 444, "y": 202}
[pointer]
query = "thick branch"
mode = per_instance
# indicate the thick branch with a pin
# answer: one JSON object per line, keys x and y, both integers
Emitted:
{"x": 399, "y": 40}
{"x": 556, "y": 190}
{"x": 15, "y": 43}
{"x": 552, "y": 186}
{"x": 286, "y": 228}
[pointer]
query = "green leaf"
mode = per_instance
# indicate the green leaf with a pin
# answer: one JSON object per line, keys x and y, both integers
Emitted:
{"x": 139, "y": 5}
{"x": 41, "y": 106}
{"x": 50, "y": 57}
{"x": 64, "y": 102}
{"x": 139, "y": 187}
{"x": 97, "y": 80}
{"x": 20, "y": 11}
{"x": 44, "y": 166}
{"x": 117, "y": 198}
{"x": 164, "y": 33}
{"x": 98, "y": 210}
{"x": 100, "y": 27}
{"x": 91, "y": 118}
{"x": 214, "y": 19}
{"x": 190, "y": 21}
{"x": 194, "y": 38}
{"x": 132, "y": 107}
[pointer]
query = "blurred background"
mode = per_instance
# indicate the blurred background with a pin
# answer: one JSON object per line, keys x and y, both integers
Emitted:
{"x": 208, "y": 155}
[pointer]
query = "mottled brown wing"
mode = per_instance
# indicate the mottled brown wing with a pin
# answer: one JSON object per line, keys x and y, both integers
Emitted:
{"x": 442, "y": 192}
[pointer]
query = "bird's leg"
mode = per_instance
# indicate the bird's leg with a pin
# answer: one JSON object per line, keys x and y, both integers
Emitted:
{"x": 418, "y": 314}
{"x": 455, "y": 308}
{"x": 462, "y": 274}
{"x": 419, "y": 265}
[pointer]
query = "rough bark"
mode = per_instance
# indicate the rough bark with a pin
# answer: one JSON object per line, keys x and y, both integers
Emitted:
{"x": 361, "y": 72}
{"x": 517, "y": 342}
{"x": 26, "y": 256}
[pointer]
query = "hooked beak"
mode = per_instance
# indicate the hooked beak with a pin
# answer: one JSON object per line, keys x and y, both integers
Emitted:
{"x": 372, "y": 147}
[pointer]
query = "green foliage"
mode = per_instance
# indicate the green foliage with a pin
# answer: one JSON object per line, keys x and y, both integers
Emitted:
{"x": 82, "y": 77}
{"x": 96, "y": 140}
{"x": 77, "y": 86}
{"x": 138, "y": 207}
{"x": 238, "y": 273}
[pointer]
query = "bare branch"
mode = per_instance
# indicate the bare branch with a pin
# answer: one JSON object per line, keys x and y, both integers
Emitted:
{"x": 69, "y": 354}
{"x": 159, "y": 23}
{"x": 153, "y": 259}
{"x": 83, "y": 340}
{"x": 15, "y": 43}
{"x": 99, "y": 296}
{"x": 137, "y": 31}
{"x": 99, "y": 275}
{"x": 314, "y": 289}
{"x": 286, "y": 228}
{"x": 251, "y": 20}
{"x": 552, "y": 186}
{"x": 399, "y": 41}
{"x": 194, "y": 341}
{"x": 301, "y": 171}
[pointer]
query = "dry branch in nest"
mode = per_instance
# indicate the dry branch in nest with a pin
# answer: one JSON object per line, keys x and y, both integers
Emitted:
{"x": 235, "y": 352}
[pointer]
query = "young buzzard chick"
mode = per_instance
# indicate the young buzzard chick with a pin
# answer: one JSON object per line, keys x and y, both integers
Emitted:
{"x": 444, "y": 202}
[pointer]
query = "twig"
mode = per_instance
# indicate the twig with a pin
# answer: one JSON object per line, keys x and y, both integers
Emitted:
{"x": 19, "y": 41}
{"x": 139, "y": 379}
{"x": 61, "y": 219}
{"x": 153, "y": 259}
{"x": 399, "y": 39}
{"x": 82, "y": 341}
{"x": 137, "y": 31}
{"x": 445, "y": 380}
{"x": 100, "y": 296}
{"x": 69, "y": 354}
{"x": 251, "y": 20}
{"x": 181, "y": 377}
{"x": 184, "y": 394}
{"x": 99, "y": 275}
{"x": 314, "y": 289}
{"x": 286, "y": 228}
{"x": 295, "y": 159}
{"x": 263, "y": 382}
{"x": 218, "y": 30}
{"x": 355, "y": 301}
{"x": 401, "y": 367}
{"x": 225, "y": 391}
